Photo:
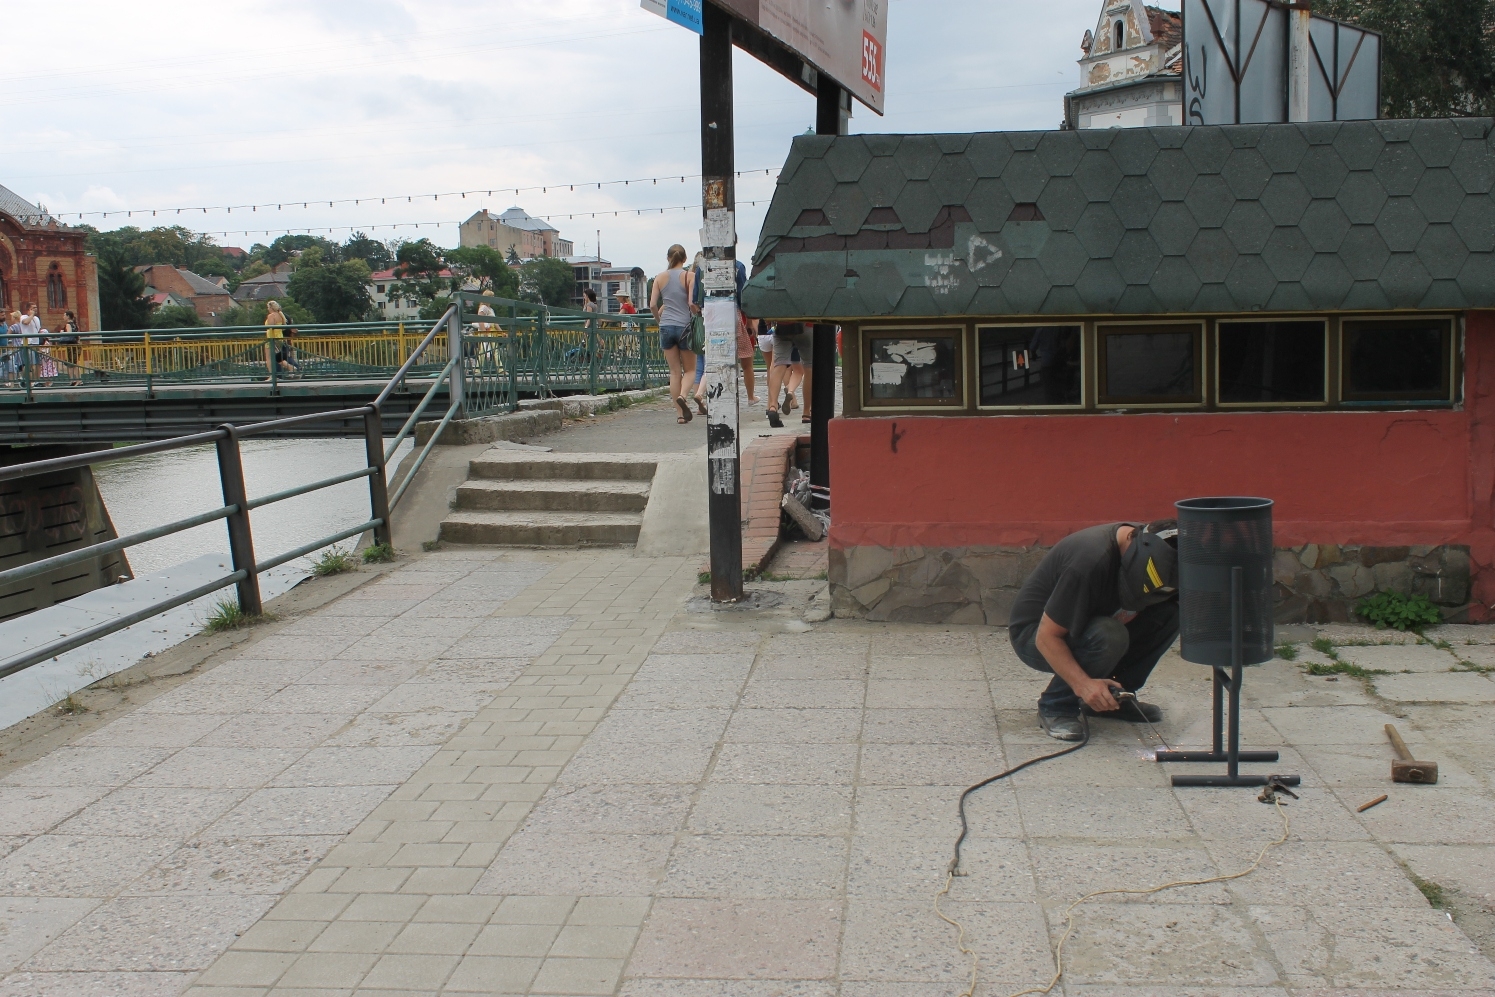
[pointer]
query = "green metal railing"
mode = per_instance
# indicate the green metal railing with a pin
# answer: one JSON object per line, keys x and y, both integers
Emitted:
{"x": 524, "y": 349}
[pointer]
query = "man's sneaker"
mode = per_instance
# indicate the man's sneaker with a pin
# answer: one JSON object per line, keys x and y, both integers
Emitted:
{"x": 1132, "y": 711}
{"x": 1061, "y": 727}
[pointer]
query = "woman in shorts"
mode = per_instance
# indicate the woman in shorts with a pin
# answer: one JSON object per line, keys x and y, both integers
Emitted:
{"x": 670, "y": 301}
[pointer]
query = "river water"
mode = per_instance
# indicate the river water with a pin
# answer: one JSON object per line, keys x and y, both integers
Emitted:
{"x": 144, "y": 492}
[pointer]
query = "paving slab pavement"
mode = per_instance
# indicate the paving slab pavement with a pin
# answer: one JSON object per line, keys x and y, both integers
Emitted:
{"x": 531, "y": 772}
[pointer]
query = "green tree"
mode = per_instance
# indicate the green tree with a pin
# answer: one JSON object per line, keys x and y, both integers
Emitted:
{"x": 419, "y": 267}
{"x": 122, "y": 301}
{"x": 175, "y": 317}
{"x": 254, "y": 269}
{"x": 336, "y": 292}
{"x": 548, "y": 279}
{"x": 253, "y": 313}
{"x": 486, "y": 266}
{"x": 1438, "y": 56}
{"x": 373, "y": 252}
{"x": 287, "y": 246}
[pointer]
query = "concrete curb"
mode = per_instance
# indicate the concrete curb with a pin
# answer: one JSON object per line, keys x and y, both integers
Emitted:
{"x": 535, "y": 416}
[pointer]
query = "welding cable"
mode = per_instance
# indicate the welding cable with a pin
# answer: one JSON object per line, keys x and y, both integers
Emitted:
{"x": 1069, "y": 912}
{"x": 953, "y": 869}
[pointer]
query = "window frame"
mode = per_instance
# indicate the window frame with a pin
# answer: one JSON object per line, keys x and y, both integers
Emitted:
{"x": 1449, "y": 362}
{"x": 1085, "y": 350}
{"x": 864, "y": 372}
{"x": 1253, "y": 320}
{"x": 1201, "y": 359}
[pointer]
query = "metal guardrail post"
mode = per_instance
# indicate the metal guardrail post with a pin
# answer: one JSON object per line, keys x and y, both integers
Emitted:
{"x": 373, "y": 436}
{"x": 542, "y": 352}
{"x": 456, "y": 393}
{"x": 26, "y": 367}
{"x": 240, "y": 540}
{"x": 512, "y": 361}
{"x": 643, "y": 360}
{"x": 592, "y": 357}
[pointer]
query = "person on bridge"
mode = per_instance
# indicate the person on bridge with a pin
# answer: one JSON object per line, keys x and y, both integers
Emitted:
{"x": 670, "y": 302}
{"x": 1098, "y": 613}
{"x": 275, "y": 321}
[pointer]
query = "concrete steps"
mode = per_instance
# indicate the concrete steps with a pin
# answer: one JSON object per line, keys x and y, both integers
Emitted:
{"x": 555, "y": 495}
{"x": 519, "y": 498}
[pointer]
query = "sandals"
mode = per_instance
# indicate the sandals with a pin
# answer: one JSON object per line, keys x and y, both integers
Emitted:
{"x": 701, "y": 405}
{"x": 805, "y": 418}
{"x": 790, "y": 404}
{"x": 773, "y": 418}
{"x": 685, "y": 415}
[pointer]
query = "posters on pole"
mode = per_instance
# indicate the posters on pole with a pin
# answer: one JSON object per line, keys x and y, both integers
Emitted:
{"x": 719, "y": 315}
{"x": 844, "y": 39}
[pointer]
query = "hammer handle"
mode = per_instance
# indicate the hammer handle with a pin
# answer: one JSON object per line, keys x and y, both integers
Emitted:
{"x": 1398, "y": 744}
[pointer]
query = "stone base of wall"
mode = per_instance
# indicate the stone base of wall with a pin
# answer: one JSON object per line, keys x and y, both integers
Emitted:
{"x": 1316, "y": 583}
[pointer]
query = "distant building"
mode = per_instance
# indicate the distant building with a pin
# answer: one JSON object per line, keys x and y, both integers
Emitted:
{"x": 266, "y": 287}
{"x": 45, "y": 262}
{"x": 516, "y": 230}
{"x": 1131, "y": 73}
{"x": 389, "y": 305}
{"x": 207, "y": 297}
{"x": 606, "y": 281}
{"x": 234, "y": 253}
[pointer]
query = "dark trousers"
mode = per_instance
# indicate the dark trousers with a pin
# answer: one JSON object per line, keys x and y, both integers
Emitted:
{"x": 1105, "y": 649}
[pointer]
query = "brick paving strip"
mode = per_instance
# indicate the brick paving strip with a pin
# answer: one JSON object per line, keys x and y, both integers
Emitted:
{"x": 540, "y": 774}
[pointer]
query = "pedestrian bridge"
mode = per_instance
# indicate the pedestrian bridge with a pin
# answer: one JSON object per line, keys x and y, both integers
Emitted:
{"x": 158, "y": 384}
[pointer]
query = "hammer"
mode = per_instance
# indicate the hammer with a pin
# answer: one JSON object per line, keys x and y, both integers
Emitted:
{"x": 1404, "y": 768}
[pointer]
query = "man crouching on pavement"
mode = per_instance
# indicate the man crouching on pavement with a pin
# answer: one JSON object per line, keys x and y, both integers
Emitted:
{"x": 1098, "y": 613}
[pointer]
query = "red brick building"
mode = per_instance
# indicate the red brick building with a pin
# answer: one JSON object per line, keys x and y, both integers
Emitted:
{"x": 208, "y": 298}
{"x": 45, "y": 262}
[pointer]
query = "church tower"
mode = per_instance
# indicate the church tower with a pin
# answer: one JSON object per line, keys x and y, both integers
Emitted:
{"x": 1130, "y": 70}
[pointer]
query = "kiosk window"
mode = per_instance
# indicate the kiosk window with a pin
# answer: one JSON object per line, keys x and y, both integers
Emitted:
{"x": 1149, "y": 364}
{"x": 1398, "y": 361}
{"x": 1030, "y": 365}
{"x": 914, "y": 367}
{"x": 1272, "y": 362}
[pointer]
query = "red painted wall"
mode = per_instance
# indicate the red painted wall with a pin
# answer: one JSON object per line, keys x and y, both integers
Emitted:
{"x": 1381, "y": 478}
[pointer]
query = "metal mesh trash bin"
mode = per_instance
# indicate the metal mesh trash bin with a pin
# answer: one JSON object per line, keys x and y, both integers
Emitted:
{"x": 1214, "y": 536}
{"x": 1225, "y": 620}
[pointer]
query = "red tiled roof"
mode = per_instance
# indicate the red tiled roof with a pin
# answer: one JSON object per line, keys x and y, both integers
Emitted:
{"x": 1167, "y": 26}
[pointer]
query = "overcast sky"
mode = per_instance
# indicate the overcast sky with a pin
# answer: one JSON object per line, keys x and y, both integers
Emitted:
{"x": 187, "y": 104}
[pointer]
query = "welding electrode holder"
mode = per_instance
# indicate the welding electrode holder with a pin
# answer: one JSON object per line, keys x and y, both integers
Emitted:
{"x": 1231, "y": 754}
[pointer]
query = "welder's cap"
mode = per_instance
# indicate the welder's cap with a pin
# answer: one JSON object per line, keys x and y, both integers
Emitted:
{"x": 1149, "y": 567}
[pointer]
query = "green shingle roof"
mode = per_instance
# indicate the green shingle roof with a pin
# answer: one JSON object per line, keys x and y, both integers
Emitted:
{"x": 1358, "y": 215}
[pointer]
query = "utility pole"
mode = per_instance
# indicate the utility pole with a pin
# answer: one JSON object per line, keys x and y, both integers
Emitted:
{"x": 1300, "y": 54}
{"x": 719, "y": 310}
{"x": 832, "y": 114}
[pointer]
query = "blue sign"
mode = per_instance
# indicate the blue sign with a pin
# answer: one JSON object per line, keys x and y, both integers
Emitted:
{"x": 686, "y": 13}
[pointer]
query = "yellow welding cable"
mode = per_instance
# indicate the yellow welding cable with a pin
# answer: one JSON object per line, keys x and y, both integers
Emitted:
{"x": 1069, "y": 912}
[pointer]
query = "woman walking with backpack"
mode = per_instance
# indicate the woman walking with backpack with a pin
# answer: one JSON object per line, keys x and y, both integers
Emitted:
{"x": 670, "y": 302}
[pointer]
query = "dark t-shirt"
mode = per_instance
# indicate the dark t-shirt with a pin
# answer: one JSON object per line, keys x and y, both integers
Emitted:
{"x": 1075, "y": 582}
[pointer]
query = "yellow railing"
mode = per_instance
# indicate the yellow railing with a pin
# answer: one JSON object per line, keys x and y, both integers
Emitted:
{"x": 153, "y": 356}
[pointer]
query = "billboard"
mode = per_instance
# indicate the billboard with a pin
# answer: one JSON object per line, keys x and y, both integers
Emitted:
{"x": 844, "y": 39}
{"x": 1236, "y": 65}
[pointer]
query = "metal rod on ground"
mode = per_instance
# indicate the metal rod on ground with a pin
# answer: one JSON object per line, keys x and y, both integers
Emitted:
{"x": 832, "y": 112}
{"x": 1237, "y": 654}
{"x": 240, "y": 540}
{"x": 719, "y": 243}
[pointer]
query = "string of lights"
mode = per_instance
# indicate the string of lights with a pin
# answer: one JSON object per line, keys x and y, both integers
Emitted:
{"x": 396, "y": 198}
{"x": 567, "y": 216}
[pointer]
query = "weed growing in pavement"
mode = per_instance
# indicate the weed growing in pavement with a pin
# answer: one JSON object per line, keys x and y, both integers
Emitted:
{"x": 1343, "y": 668}
{"x": 70, "y": 705}
{"x": 1469, "y": 666}
{"x": 430, "y": 545}
{"x": 1324, "y": 646}
{"x": 227, "y": 615}
{"x": 378, "y": 554}
{"x": 1435, "y": 894}
{"x": 1399, "y": 612}
{"x": 704, "y": 578}
{"x": 333, "y": 561}
{"x": 1287, "y": 652}
{"x": 622, "y": 401}
{"x": 821, "y": 576}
